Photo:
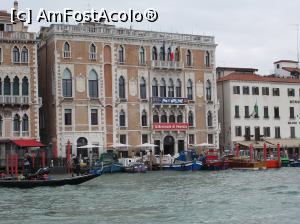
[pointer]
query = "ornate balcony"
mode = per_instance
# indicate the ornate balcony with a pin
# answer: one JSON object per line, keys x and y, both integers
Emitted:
{"x": 14, "y": 100}
{"x": 167, "y": 65}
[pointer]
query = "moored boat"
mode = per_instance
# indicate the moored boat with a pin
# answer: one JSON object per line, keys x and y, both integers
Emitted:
{"x": 294, "y": 163}
{"x": 47, "y": 183}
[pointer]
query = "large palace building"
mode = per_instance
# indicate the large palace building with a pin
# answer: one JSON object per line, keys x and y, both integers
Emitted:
{"x": 19, "y": 101}
{"x": 104, "y": 85}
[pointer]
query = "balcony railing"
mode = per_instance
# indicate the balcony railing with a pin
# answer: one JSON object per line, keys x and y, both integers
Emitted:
{"x": 14, "y": 100}
{"x": 170, "y": 100}
{"x": 167, "y": 64}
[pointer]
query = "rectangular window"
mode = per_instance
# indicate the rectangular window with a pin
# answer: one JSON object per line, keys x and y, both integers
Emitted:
{"x": 277, "y": 132}
{"x": 94, "y": 117}
{"x": 247, "y": 133}
{"x": 123, "y": 139}
{"x": 292, "y": 112}
{"x": 191, "y": 139}
{"x": 210, "y": 138}
{"x": 255, "y": 90}
{"x": 246, "y": 90}
{"x": 144, "y": 139}
{"x": 237, "y": 112}
{"x": 267, "y": 132}
{"x": 276, "y": 92}
{"x": 68, "y": 117}
{"x": 238, "y": 131}
{"x": 266, "y": 112}
{"x": 257, "y": 133}
{"x": 265, "y": 91}
{"x": 247, "y": 115}
{"x": 293, "y": 135}
{"x": 291, "y": 92}
{"x": 276, "y": 112}
{"x": 236, "y": 90}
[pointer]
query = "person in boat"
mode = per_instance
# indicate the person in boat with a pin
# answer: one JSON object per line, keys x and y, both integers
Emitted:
{"x": 76, "y": 165}
{"x": 27, "y": 165}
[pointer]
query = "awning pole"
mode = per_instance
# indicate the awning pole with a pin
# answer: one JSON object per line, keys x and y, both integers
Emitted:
{"x": 237, "y": 151}
{"x": 265, "y": 152}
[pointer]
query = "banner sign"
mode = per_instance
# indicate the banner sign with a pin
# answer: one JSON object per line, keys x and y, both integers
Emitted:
{"x": 170, "y": 100}
{"x": 171, "y": 126}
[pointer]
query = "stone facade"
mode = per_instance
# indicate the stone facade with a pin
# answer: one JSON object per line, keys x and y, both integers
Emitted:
{"x": 124, "y": 95}
{"x": 19, "y": 101}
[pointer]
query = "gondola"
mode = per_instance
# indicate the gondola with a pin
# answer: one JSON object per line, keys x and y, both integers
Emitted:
{"x": 48, "y": 183}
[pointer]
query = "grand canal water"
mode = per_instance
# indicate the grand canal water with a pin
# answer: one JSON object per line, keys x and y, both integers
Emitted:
{"x": 162, "y": 197}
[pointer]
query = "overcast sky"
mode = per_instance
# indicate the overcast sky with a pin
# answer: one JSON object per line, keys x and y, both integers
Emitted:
{"x": 249, "y": 33}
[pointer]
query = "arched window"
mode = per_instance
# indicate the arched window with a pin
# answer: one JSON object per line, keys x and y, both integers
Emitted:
{"x": 189, "y": 58}
{"x": 154, "y": 53}
{"x": 178, "y": 88}
{"x": 16, "y": 55}
{"x": 25, "y": 86}
{"x": 207, "y": 59}
{"x": 67, "y": 50}
{"x": 177, "y": 55}
{"x": 122, "y": 94}
{"x": 142, "y": 56}
{"x": 171, "y": 88}
{"x": 190, "y": 90}
{"x": 172, "y": 118}
{"x": 82, "y": 142}
{"x": 93, "y": 84}
{"x": 7, "y": 86}
{"x": 180, "y": 117}
{"x": 93, "y": 52}
{"x": 155, "y": 117}
{"x": 143, "y": 91}
{"x": 191, "y": 119}
{"x": 121, "y": 54}
{"x": 16, "y": 86}
{"x": 163, "y": 88}
{"x": 144, "y": 118}
{"x": 24, "y": 55}
{"x": 67, "y": 83}
{"x": 16, "y": 125}
{"x": 25, "y": 125}
{"x": 122, "y": 119}
{"x": 154, "y": 88}
{"x": 208, "y": 90}
{"x": 164, "y": 118}
{"x": 169, "y": 54}
{"x": 209, "y": 119}
{"x": 162, "y": 53}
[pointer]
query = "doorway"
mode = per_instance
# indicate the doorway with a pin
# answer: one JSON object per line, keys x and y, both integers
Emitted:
{"x": 169, "y": 145}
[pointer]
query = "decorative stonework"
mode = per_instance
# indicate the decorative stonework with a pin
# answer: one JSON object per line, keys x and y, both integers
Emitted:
{"x": 80, "y": 84}
{"x": 133, "y": 87}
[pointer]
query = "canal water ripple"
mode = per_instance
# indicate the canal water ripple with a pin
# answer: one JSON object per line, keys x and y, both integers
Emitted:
{"x": 247, "y": 197}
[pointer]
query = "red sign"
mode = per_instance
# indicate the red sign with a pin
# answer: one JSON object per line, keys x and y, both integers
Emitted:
{"x": 171, "y": 126}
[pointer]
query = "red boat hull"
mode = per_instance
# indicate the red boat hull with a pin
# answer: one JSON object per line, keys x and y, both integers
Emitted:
{"x": 273, "y": 164}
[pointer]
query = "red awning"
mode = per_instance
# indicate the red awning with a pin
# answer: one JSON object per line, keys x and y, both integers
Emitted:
{"x": 28, "y": 143}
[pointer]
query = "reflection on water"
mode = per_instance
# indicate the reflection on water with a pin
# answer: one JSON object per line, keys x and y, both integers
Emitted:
{"x": 162, "y": 197}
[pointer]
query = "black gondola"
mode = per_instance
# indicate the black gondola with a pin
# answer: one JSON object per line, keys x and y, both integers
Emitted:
{"x": 47, "y": 183}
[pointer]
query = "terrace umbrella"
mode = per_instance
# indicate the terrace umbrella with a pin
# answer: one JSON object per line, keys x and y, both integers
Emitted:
{"x": 119, "y": 145}
{"x": 205, "y": 146}
{"x": 151, "y": 146}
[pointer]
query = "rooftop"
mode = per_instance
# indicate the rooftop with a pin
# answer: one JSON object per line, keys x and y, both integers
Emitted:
{"x": 287, "y": 61}
{"x": 292, "y": 70}
{"x": 237, "y": 69}
{"x": 238, "y": 76}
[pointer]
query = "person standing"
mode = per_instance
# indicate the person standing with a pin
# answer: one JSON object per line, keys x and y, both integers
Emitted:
{"x": 76, "y": 165}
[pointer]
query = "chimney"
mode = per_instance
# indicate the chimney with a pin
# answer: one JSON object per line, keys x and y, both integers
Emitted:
{"x": 16, "y": 5}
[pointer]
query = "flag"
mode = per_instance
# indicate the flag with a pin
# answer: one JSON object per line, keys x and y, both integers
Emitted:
{"x": 255, "y": 111}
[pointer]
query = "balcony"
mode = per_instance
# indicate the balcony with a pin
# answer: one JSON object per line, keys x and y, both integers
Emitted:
{"x": 169, "y": 100}
{"x": 14, "y": 100}
{"x": 167, "y": 65}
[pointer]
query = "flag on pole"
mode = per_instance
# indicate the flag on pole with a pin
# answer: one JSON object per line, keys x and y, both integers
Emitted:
{"x": 255, "y": 111}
